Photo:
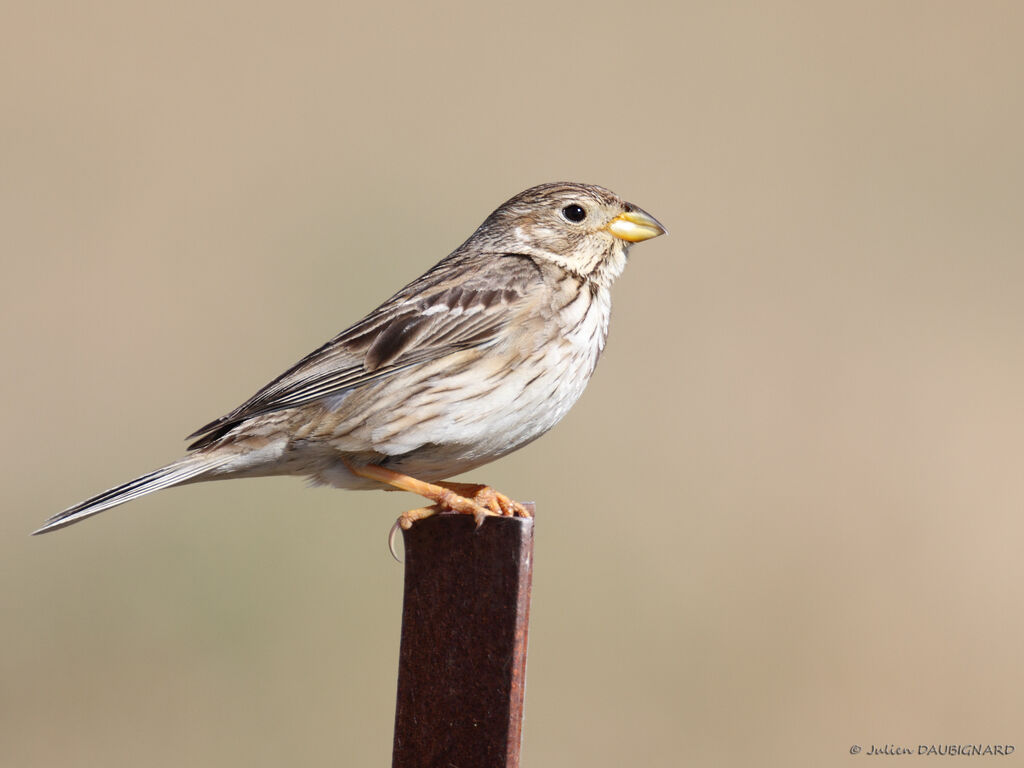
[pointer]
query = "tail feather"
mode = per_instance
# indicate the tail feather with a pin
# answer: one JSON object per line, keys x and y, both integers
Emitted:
{"x": 177, "y": 473}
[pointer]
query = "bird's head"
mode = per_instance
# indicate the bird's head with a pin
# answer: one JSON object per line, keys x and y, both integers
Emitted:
{"x": 584, "y": 229}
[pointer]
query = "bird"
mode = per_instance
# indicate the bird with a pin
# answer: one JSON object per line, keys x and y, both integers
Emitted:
{"x": 481, "y": 355}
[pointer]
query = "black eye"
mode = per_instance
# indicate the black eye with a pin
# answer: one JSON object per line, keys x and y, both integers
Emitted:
{"x": 574, "y": 213}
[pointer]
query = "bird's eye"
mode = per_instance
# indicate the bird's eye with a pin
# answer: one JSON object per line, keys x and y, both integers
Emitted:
{"x": 574, "y": 213}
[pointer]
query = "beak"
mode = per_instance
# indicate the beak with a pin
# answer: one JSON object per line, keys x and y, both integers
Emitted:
{"x": 635, "y": 225}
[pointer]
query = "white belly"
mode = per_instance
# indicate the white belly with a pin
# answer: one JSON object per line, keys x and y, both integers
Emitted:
{"x": 467, "y": 409}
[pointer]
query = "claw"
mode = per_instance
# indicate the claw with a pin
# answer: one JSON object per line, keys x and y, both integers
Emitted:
{"x": 391, "y": 539}
{"x": 405, "y": 522}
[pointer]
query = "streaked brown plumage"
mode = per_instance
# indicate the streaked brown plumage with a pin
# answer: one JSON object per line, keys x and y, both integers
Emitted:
{"x": 479, "y": 356}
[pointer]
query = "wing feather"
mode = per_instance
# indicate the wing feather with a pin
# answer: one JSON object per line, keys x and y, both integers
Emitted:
{"x": 443, "y": 312}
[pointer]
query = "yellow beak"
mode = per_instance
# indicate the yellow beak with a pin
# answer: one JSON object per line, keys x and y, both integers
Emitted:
{"x": 635, "y": 225}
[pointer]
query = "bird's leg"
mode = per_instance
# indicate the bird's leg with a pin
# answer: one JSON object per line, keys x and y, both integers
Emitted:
{"x": 486, "y": 496}
{"x": 443, "y": 498}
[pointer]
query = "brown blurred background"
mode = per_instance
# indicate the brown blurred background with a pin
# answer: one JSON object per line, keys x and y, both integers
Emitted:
{"x": 786, "y": 518}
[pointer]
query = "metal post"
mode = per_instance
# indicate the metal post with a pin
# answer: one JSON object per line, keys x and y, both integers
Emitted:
{"x": 462, "y": 664}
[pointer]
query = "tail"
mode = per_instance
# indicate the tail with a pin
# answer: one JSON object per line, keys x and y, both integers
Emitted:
{"x": 181, "y": 471}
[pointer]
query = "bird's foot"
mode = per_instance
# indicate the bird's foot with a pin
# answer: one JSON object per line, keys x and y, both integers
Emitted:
{"x": 445, "y": 498}
{"x": 480, "y": 501}
{"x": 486, "y": 496}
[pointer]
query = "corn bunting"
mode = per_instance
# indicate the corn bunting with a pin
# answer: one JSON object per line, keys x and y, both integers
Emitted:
{"x": 479, "y": 356}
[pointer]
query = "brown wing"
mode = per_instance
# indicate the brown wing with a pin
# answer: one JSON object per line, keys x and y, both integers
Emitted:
{"x": 457, "y": 305}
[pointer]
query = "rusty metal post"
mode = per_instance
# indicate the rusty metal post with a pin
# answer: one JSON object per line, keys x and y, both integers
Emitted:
{"x": 462, "y": 664}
